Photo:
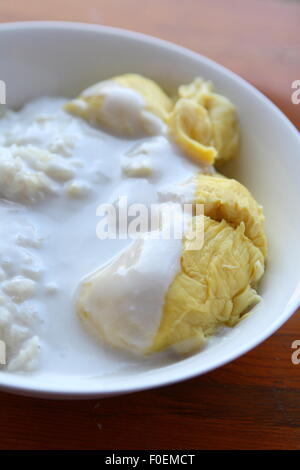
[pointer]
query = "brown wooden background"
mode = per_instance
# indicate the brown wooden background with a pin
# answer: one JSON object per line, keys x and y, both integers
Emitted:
{"x": 253, "y": 402}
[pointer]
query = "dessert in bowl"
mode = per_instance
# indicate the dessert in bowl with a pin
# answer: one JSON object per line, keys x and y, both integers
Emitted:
{"x": 151, "y": 311}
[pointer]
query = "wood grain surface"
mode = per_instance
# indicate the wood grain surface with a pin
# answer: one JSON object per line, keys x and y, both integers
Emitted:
{"x": 254, "y": 402}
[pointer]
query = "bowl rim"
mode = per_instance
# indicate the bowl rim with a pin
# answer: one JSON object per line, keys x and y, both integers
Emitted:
{"x": 89, "y": 390}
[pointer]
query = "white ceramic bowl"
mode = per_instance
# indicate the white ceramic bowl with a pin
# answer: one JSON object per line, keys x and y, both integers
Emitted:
{"x": 42, "y": 58}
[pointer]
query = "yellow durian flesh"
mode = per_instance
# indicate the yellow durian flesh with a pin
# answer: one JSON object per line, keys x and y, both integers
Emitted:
{"x": 220, "y": 112}
{"x": 216, "y": 283}
{"x": 225, "y": 198}
{"x": 191, "y": 128}
{"x": 89, "y": 104}
{"x": 225, "y": 126}
{"x": 215, "y": 286}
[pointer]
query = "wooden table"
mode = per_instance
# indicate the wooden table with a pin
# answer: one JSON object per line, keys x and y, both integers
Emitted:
{"x": 253, "y": 402}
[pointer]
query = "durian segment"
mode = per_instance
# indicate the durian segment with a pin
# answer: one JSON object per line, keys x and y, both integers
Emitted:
{"x": 129, "y": 104}
{"x": 215, "y": 286}
{"x": 225, "y": 198}
{"x": 223, "y": 132}
{"x": 191, "y": 128}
